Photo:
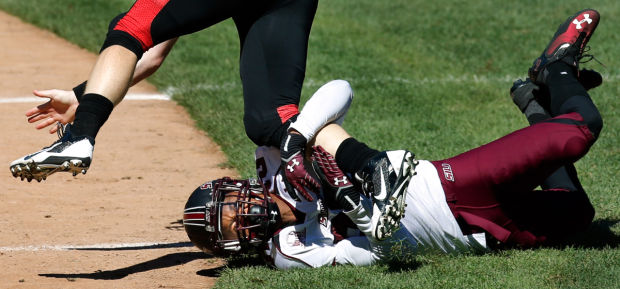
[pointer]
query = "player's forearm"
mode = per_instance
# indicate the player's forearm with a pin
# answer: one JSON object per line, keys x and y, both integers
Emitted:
{"x": 152, "y": 60}
{"x": 357, "y": 251}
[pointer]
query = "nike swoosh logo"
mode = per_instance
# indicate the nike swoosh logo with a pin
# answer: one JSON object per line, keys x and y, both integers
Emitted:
{"x": 401, "y": 186}
{"x": 383, "y": 194}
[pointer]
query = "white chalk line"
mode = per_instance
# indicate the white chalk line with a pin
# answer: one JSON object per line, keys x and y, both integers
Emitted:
{"x": 310, "y": 82}
{"x": 94, "y": 247}
{"x": 131, "y": 96}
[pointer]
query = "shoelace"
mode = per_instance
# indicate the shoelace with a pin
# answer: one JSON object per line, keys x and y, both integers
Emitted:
{"x": 61, "y": 129}
{"x": 60, "y": 132}
{"x": 588, "y": 57}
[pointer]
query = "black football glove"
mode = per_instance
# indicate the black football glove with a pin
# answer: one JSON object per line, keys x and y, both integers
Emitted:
{"x": 292, "y": 155}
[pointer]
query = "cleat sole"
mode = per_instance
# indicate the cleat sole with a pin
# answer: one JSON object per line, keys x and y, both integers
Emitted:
{"x": 40, "y": 172}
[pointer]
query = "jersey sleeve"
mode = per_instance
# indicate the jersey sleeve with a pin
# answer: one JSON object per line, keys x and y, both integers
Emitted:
{"x": 328, "y": 104}
{"x": 289, "y": 251}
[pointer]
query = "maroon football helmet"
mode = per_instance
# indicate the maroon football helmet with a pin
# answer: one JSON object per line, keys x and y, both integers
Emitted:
{"x": 247, "y": 203}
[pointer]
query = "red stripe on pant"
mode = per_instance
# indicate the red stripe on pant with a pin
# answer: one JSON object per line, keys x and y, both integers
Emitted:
{"x": 137, "y": 21}
{"x": 513, "y": 164}
{"x": 285, "y": 112}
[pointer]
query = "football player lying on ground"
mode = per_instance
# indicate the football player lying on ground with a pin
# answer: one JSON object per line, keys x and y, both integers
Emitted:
{"x": 484, "y": 198}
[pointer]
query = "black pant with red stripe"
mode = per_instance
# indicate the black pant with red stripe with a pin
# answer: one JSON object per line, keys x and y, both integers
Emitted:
{"x": 274, "y": 43}
{"x": 493, "y": 188}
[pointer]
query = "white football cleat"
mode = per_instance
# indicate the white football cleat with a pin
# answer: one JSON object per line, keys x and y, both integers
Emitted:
{"x": 385, "y": 179}
{"x": 67, "y": 154}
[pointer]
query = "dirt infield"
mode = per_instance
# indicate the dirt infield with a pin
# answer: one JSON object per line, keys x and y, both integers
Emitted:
{"x": 118, "y": 225}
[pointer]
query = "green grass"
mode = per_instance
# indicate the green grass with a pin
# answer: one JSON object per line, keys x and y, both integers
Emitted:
{"x": 431, "y": 76}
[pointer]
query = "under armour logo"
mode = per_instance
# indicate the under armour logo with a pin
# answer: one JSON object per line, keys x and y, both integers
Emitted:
{"x": 344, "y": 181}
{"x": 586, "y": 18}
{"x": 292, "y": 166}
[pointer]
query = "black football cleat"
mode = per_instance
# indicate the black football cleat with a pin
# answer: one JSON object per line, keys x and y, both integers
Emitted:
{"x": 568, "y": 44}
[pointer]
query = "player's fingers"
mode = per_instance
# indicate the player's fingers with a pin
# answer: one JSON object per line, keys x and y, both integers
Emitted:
{"x": 39, "y": 109}
{"x": 323, "y": 152}
{"x": 329, "y": 165}
{"x": 312, "y": 183}
{"x": 326, "y": 161}
{"x": 45, "y": 123}
{"x": 325, "y": 155}
{"x": 33, "y": 111}
{"x": 303, "y": 192}
{"x": 319, "y": 150}
{"x": 326, "y": 166}
{"x": 37, "y": 117}
{"x": 54, "y": 129}
{"x": 44, "y": 93}
{"x": 315, "y": 154}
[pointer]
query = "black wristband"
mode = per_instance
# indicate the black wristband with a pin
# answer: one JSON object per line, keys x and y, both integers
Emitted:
{"x": 79, "y": 90}
{"x": 291, "y": 144}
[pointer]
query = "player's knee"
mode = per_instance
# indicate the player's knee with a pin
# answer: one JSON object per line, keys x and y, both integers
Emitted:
{"x": 588, "y": 111}
{"x": 340, "y": 87}
{"x": 592, "y": 118}
{"x": 119, "y": 36}
{"x": 594, "y": 122}
{"x": 576, "y": 147}
{"x": 255, "y": 129}
{"x": 125, "y": 40}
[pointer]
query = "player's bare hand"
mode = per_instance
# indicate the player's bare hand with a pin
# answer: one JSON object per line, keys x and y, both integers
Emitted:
{"x": 60, "y": 107}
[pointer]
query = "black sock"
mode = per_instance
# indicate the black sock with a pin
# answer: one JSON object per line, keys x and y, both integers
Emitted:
{"x": 91, "y": 114}
{"x": 352, "y": 155}
{"x": 563, "y": 84}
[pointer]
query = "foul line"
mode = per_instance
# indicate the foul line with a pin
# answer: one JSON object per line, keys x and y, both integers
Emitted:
{"x": 132, "y": 96}
{"x": 97, "y": 247}
{"x": 310, "y": 82}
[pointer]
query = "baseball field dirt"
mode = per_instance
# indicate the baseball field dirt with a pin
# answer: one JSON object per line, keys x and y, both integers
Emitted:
{"x": 118, "y": 226}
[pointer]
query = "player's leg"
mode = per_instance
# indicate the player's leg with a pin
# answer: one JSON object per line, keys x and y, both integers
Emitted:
{"x": 383, "y": 176}
{"x": 563, "y": 88}
{"x": 272, "y": 65}
{"x": 563, "y": 207}
{"x": 146, "y": 24}
{"x": 526, "y": 95}
{"x": 478, "y": 183}
{"x": 553, "y": 214}
{"x": 386, "y": 213}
